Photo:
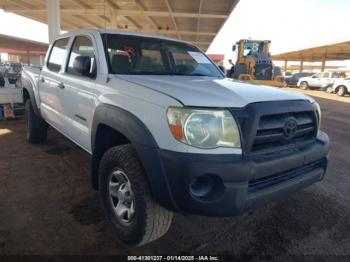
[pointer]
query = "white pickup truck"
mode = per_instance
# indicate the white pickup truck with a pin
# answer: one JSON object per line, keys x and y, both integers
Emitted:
{"x": 320, "y": 80}
{"x": 168, "y": 132}
{"x": 341, "y": 87}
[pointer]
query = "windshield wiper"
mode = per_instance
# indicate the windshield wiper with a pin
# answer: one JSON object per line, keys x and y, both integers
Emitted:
{"x": 195, "y": 74}
{"x": 148, "y": 73}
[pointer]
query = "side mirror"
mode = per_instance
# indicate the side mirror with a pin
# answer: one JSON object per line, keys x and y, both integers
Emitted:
{"x": 234, "y": 48}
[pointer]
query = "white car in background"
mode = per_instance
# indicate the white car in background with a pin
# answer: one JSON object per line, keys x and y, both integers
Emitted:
{"x": 317, "y": 81}
{"x": 340, "y": 86}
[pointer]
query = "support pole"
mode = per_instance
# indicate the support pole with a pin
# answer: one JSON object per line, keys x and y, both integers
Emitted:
{"x": 301, "y": 66}
{"x": 323, "y": 64}
{"x": 53, "y": 19}
{"x": 285, "y": 66}
{"x": 28, "y": 57}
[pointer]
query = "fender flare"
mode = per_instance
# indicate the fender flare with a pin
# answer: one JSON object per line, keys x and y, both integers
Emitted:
{"x": 145, "y": 145}
{"x": 27, "y": 86}
{"x": 122, "y": 121}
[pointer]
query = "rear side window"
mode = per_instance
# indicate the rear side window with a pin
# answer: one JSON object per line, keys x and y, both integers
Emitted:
{"x": 58, "y": 52}
{"x": 82, "y": 60}
{"x": 334, "y": 75}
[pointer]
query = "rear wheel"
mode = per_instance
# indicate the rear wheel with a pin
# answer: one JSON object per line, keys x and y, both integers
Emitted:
{"x": 36, "y": 126}
{"x": 136, "y": 218}
{"x": 304, "y": 85}
{"x": 341, "y": 91}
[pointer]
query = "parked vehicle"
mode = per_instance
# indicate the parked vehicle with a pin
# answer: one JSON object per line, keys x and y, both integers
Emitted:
{"x": 318, "y": 81}
{"x": 11, "y": 71}
{"x": 168, "y": 132}
{"x": 293, "y": 79}
{"x": 341, "y": 87}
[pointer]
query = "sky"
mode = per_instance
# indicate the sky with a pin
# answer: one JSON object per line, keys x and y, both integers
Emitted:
{"x": 289, "y": 24}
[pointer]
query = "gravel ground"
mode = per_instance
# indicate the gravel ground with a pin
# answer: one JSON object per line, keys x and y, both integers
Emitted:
{"x": 47, "y": 205}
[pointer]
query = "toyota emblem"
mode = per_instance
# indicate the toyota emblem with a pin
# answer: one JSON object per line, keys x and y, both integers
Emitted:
{"x": 290, "y": 128}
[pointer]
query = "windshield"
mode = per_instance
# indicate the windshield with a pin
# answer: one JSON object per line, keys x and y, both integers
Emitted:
{"x": 133, "y": 55}
{"x": 250, "y": 48}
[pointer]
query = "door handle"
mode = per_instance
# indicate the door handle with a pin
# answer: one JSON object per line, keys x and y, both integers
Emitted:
{"x": 60, "y": 85}
{"x": 42, "y": 79}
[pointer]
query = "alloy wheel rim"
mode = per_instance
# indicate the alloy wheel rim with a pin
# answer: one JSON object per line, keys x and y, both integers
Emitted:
{"x": 341, "y": 91}
{"x": 122, "y": 197}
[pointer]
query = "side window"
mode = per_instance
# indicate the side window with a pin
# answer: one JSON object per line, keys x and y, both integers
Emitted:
{"x": 58, "y": 52}
{"x": 326, "y": 75}
{"x": 82, "y": 60}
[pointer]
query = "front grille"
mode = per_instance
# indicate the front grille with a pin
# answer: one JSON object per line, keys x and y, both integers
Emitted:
{"x": 265, "y": 182}
{"x": 272, "y": 130}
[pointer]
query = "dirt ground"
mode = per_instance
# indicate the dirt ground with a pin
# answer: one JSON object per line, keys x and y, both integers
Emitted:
{"x": 47, "y": 205}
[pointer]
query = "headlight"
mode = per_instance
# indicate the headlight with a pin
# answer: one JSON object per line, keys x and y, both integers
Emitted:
{"x": 203, "y": 128}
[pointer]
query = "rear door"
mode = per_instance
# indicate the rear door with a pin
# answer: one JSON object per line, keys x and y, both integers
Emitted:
{"x": 50, "y": 81}
{"x": 78, "y": 94}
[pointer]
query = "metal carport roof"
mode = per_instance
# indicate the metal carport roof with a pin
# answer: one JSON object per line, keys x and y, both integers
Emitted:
{"x": 338, "y": 51}
{"x": 15, "y": 45}
{"x": 196, "y": 21}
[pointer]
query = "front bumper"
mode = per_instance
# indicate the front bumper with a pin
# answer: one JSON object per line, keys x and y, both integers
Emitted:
{"x": 241, "y": 182}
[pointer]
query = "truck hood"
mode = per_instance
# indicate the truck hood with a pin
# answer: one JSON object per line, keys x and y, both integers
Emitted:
{"x": 211, "y": 92}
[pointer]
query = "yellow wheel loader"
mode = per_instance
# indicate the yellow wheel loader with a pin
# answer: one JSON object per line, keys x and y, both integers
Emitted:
{"x": 254, "y": 63}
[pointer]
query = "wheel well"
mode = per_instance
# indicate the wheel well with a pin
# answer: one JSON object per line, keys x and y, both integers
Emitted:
{"x": 25, "y": 95}
{"x": 337, "y": 88}
{"x": 106, "y": 138}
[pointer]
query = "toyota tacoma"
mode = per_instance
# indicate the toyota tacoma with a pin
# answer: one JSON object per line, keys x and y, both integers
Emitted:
{"x": 168, "y": 132}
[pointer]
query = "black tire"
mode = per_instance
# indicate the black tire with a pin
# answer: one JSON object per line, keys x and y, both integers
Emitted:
{"x": 36, "y": 126}
{"x": 304, "y": 85}
{"x": 341, "y": 91}
{"x": 150, "y": 221}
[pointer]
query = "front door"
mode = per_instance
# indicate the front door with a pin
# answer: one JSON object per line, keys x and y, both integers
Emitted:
{"x": 78, "y": 94}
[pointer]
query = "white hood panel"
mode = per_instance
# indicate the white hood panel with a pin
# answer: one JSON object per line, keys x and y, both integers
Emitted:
{"x": 211, "y": 92}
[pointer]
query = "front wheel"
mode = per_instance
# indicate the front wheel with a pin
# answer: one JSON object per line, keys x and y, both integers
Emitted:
{"x": 304, "y": 85}
{"x": 36, "y": 126}
{"x": 136, "y": 218}
{"x": 341, "y": 91}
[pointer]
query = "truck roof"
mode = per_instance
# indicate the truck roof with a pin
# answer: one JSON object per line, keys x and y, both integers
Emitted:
{"x": 120, "y": 32}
